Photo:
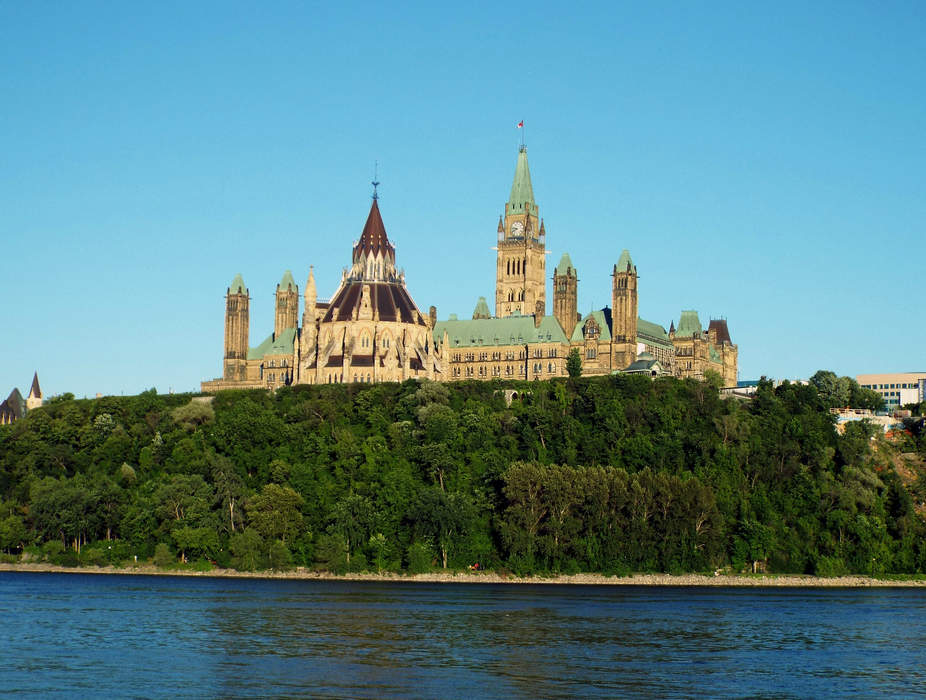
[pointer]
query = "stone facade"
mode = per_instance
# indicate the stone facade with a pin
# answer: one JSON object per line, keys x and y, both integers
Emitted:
{"x": 372, "y": 331}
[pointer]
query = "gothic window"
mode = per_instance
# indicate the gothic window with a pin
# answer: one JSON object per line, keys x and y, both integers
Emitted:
{"x": 591, "y": 353}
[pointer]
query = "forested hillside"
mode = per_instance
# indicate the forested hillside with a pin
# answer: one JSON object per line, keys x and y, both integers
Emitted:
{"x": 612, "y": 474}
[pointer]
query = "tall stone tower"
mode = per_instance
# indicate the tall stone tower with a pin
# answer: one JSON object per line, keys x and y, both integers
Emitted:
{"x": 520, "y": 271}
{"x": 566, "y": 294}
{"x": 311, "y": 298}
{"x": 287, "y": 304}
{"x": 237, "y": 304}
{"x": 34, "y": 400}
{"x": 624, "y": 312}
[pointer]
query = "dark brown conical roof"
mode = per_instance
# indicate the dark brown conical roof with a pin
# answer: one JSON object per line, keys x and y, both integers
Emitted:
{"x": 374, "y": 239}
{"x": 35, "y": 391}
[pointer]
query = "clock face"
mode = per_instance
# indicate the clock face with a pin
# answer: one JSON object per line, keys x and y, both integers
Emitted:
{"x": 517, "y": 229}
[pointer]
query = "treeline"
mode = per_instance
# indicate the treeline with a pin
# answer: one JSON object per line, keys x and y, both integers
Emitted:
{"x": 611, "y": 474}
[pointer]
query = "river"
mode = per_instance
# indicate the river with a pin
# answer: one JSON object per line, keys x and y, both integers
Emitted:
{"x": 78, "y": 635}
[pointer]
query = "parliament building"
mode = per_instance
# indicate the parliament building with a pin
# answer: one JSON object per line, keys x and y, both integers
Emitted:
{"x": 371, "y": 330}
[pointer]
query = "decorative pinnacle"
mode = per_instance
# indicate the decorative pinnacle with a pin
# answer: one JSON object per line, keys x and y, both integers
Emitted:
{"x": 375, "y": 181}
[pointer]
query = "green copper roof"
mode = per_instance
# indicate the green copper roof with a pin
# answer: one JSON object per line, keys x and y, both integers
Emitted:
{"x": 482, "y": 309}
{"x": 281, "y": 345}
{"x": 604, "y": 326}
{"x": 288, "y": 280}
{"x": 237, "y": 285}
{"x": 688, "y": 325}
{"x": 624, "y": 261}
{"x": 522, "y": 192}
{"x": 650, "y": 333}
{"x": 565, "y": 263}
{"x": 511, "y": 330}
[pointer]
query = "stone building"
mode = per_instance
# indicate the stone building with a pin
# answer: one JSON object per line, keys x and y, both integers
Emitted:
{"x": 697, "y": 350}
{"x": 609, "y": 339}
{"x": 372, "y": 331}
{"x": 15, "y": 407}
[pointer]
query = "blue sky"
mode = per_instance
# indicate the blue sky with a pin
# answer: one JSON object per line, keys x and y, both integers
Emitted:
{"x": 764, "y": 164}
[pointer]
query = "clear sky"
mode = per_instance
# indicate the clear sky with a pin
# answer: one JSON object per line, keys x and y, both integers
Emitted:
{"x": 765, "y": 164}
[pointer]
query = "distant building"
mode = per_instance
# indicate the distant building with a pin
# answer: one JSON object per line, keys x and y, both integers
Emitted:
{"x": 372, "y": 331}
{"x": 898, "y": 388}
{"x": 15, "y": 407}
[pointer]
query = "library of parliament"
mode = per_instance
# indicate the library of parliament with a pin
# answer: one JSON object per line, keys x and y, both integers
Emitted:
{"x": 372, "y": 331}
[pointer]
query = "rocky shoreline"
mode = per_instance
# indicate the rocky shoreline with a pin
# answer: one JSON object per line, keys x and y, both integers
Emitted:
{"x": 491, "y": 577}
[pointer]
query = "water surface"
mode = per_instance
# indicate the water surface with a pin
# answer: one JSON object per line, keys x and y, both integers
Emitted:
{"x": 78, "y": 635}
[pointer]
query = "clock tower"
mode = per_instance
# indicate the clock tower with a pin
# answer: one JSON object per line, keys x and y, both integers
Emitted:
{"x": 520, "y": 282}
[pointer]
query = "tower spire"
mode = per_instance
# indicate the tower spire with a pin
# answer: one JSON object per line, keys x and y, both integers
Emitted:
{"x": 375, "y": 181}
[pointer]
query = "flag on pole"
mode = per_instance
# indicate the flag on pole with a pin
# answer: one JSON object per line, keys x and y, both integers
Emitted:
{"x": 521, "y": 124}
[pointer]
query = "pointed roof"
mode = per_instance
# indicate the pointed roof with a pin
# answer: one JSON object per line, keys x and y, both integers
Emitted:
{"x": 689, "y": 324}
{"x": 625, "y": 262}
{"x": 237, "y": 285}
{"x": 15, "y": 405}
{"x": 374, "y": 239}
{"x": 565, "y": 266}
{"x": 522, "y": 192}
{"x": 36, "y": 391}
{"x": 288, "y": 281}
{"x": 720, "y": 326}
{"x": 482, "y": 309}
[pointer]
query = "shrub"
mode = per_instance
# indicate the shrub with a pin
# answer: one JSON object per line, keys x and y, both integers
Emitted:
{"x": 831, "y": 566}
{"x": 92, "y": 556}
{"x": 420, "y": 557}
{"x": 331, "y": 553}
{"x": 163, "y": 557}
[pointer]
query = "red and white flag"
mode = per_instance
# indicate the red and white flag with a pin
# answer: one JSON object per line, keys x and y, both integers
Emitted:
{"x": 521, "y": 124}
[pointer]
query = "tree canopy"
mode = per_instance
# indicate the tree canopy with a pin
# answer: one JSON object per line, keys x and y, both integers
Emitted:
{"x": 605, "y": 474}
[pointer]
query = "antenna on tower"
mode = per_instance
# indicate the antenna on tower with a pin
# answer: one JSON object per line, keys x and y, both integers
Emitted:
{"x": 375, "y": 181}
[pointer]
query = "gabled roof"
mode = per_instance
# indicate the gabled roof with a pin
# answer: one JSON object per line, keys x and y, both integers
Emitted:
{"x": 645, "y": 363}
{"x": 281, "y": 345}
{"x": 652, "y": 333}
{"x": 521, "y": 198}
{"x": 565, "y": 266}
{"x": 288, "y": 283}
{"x": 602, "y": 318}
{"x": 36, "y": 391}
{"x": 720, "y": 326}
{"x": 374, "y": 239}
{"x": 237, "y": 285}
{"x": 689, "y": 324}
{"x": 510, "y": 330}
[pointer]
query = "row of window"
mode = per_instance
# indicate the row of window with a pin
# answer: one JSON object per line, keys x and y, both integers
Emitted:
{"x": 878, "y": 387}
{"x": 496, "y": 371}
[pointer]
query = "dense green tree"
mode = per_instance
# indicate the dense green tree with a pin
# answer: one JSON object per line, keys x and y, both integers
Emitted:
{"x": 574, "y": 364}
{"x": 611, "y": 474}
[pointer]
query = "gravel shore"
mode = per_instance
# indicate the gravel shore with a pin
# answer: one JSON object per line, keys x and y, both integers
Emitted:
{"x": 492, "y": 577}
